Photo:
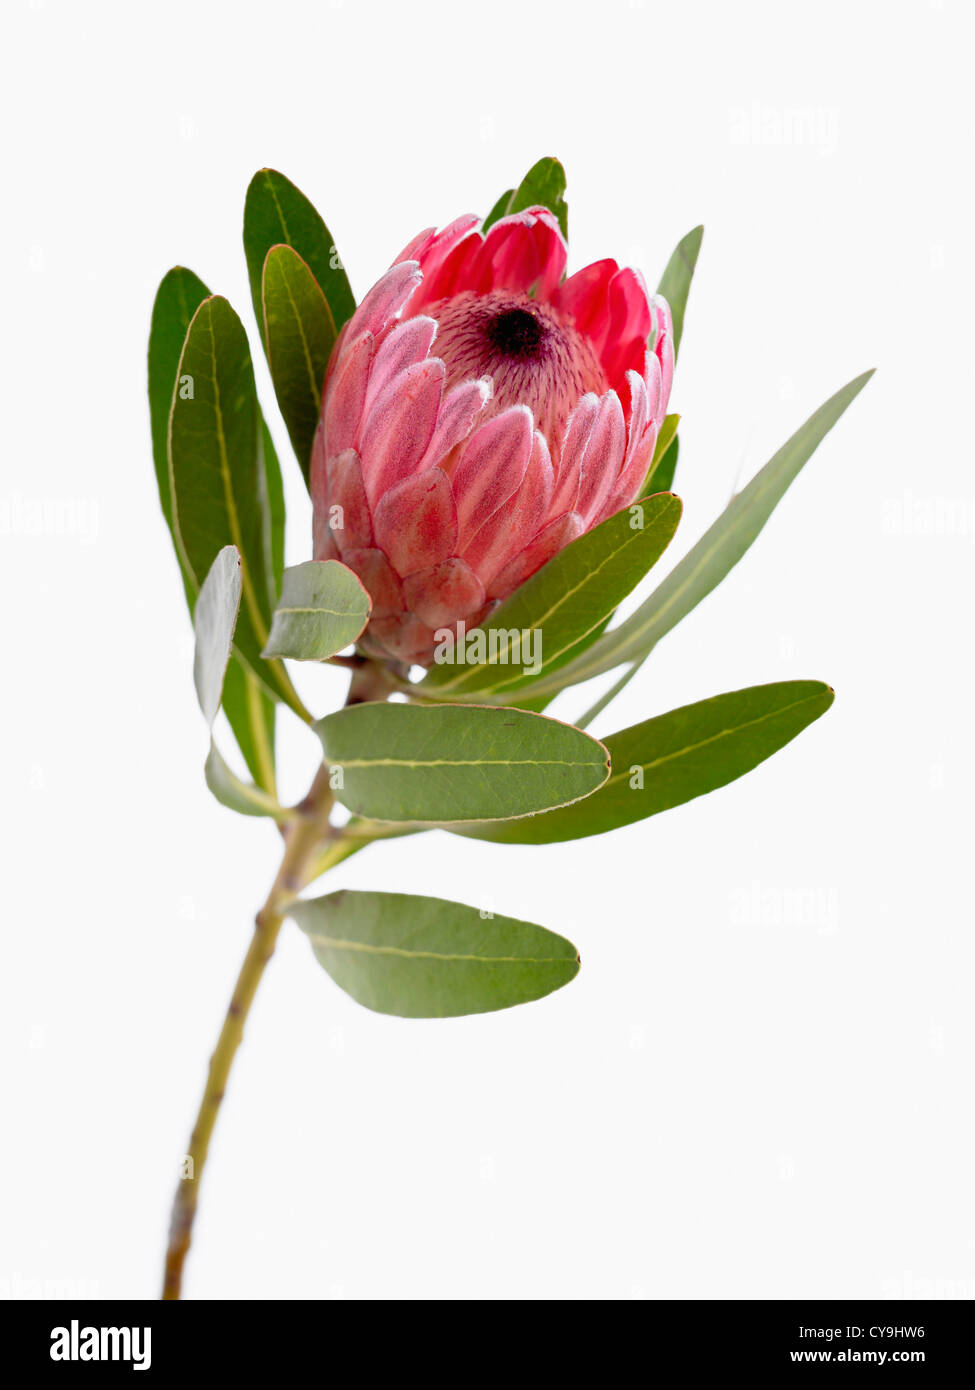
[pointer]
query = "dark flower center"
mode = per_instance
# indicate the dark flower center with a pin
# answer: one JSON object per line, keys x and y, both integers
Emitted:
{"x": 533, "y": 355}
{"x": 516, "y": 333}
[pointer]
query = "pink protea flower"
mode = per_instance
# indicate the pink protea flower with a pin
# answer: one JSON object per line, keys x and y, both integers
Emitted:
{"x": 480, "y": 412}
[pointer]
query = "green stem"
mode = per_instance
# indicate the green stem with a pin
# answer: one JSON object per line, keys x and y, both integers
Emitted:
{"x": 304, "y": 860}
{"x": 303, "y": 838}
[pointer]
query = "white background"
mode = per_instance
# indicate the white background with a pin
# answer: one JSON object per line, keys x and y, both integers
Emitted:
{"x": 760, "y": 1084}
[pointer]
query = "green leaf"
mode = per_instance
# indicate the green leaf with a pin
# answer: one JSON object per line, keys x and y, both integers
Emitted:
{"x": 666, "y": 437}
{"x": 217, "y": 475}
{"x": 542, "y": 186}
{"x": 250, "y": 714}
{"x": 323, "y": 608}
{"x": 272, "y": 507}
{"x": 499, "y": 210}
{"x": 666, "y": 466}
{"x": 660, "y": 478}
{"x": 236, "y": 794}
{"x": 549, "y": 617}
{"x": 676, "y": 757}
{"x": 299, "y": 334}
{"x": 446, "y": 763}
{"x": 277, "y": 213}
{"x": 214, "y": 621}
{"x": 717, "y": 552}
{"x": 675, "y": 283}
{"x": 419, "y": 957}
{"x": 179, "y": 296}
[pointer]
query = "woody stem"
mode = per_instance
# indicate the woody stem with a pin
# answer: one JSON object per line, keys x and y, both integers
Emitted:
{"x": 303, "y": 839}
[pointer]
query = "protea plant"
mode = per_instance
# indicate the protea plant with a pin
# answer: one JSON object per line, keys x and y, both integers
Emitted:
{"x": 489, "y": 456}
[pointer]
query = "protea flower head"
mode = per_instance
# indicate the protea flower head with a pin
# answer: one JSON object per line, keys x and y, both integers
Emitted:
{"x": 480, "y": 412}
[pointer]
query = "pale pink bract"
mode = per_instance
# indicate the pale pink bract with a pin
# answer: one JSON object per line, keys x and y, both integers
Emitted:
{"x": 480, "y": 412}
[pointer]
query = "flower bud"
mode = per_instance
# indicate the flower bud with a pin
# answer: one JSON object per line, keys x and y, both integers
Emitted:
{"x": 480, "y": 412}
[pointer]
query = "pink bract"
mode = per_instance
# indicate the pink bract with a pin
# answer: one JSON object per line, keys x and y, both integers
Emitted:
{"x": 480, "y": 412}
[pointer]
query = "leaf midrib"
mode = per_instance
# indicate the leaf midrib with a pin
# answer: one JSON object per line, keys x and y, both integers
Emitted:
{"x": 314, "y": 386}
{"x": 714, "y": 738}
{"x": 462, "y": 762}
{"x": 337, "y": 943}
{"x": 253, "y": 607}
{"x": 332, "y": 612}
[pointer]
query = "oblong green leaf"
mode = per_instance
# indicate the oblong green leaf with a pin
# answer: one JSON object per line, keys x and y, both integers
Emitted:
{"x": 299, "y": 334}
{"x": 214, "y": 620}
{"x": 419, "y": 957}
{"x": 272, "y": 506}
{"x": 659, "y": 475}
{"x": 446, "y": 763}
{"x": 675, "y": 283}
{"x": 323, "y": 608}
{"x": 665, "y": 439}
{"x": 550, "y": 617}
{"x": 237, "y": 795}
{"x": 179, "y": 296}
{"x": 677, "y": 756}
{"x": 216, "y": 474}
{"x": 543, "y": 186}
{"x": 707, "y": 563}
{"x": 666, "y": 466}
{"x": 499, "y": 210}
{"x": 250, "y": 713}
{"x": 277, "y": 213}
